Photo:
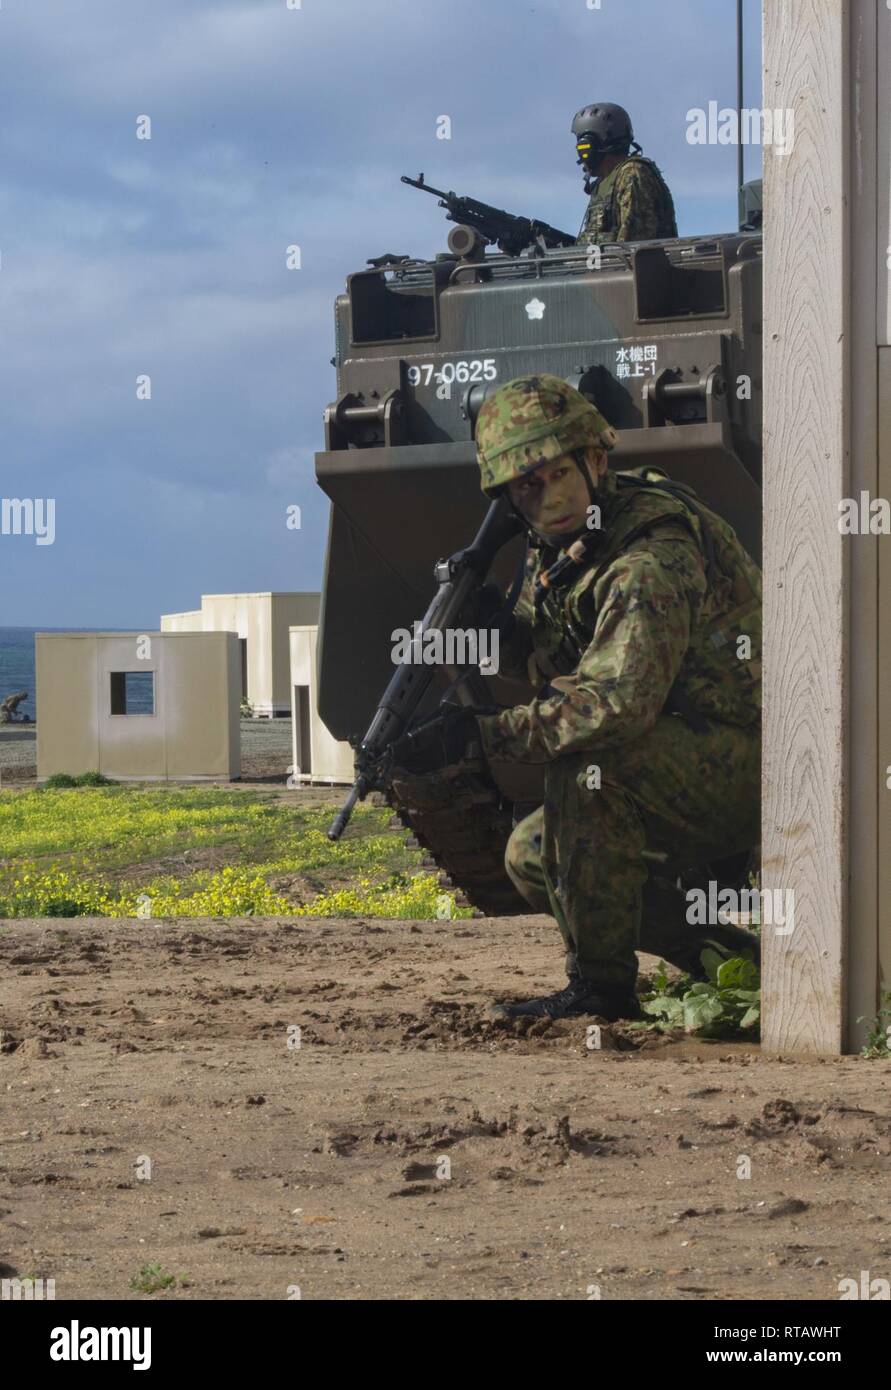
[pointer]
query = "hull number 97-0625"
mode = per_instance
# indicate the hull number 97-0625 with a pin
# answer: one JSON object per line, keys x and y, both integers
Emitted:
{"x": 484, "y": 370}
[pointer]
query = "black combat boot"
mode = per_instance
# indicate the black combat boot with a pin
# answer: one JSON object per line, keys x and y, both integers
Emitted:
{"x": 579, "y": 997}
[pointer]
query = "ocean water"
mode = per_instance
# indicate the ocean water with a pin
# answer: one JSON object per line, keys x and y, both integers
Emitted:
{"x": 17, "y": 666}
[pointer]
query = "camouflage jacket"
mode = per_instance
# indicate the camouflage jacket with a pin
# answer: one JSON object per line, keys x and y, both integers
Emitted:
{"x": 631, "y": 203}
{"x": 652, "y": 625}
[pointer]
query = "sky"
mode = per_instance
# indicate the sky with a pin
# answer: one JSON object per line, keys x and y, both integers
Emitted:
{"x": 166, "y": 258}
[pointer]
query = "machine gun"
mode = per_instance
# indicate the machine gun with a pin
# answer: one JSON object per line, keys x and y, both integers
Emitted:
{"x": 459, "y": 579}
{"x": 512, "y": 234}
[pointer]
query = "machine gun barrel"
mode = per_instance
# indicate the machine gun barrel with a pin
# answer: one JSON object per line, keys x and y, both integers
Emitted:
{"x": 428, "y": 188}
{"x": 512, "y": 233}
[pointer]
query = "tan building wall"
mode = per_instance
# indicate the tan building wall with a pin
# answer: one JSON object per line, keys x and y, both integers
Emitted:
{"x": 261, "y": 621}
{"x": 183, "y": 622}
{"x": 319, "y": 756}
{"x": 288, "y": 610}
{"x": 193, "y": 732}
{"x": 249, "y": 616}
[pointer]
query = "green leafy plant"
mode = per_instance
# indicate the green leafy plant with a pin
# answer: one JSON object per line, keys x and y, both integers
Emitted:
{"x": 64, "y": 781}
{"x": 878, "y": 1039}
{"x": 65, "y": 907}
{"x": 152, "y": 1278}
{"x": 724, "y": 1005}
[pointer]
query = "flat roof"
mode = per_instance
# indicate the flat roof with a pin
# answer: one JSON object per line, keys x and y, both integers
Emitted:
{"x": 267, "y": 593}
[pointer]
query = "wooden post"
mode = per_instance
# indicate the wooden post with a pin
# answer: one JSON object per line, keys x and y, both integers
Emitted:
{"x": 827, "y": 381}
{"x": 878, "y": 100}
{"x": 807, "y": 430}
{"x": 864, "y": 552}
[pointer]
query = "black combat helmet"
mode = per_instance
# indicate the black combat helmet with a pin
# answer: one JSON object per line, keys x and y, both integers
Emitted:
{"x": 602, "y": 128}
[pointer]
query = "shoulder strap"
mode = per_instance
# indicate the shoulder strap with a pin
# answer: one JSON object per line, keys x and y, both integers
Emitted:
{"x": 568, "y": 569}
{"x": 681, "y": 493}
{"x": 581, "y": 556}
{"x": 505, "y": 614}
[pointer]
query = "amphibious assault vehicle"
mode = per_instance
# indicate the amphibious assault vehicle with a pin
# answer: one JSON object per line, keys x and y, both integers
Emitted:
{"x": 665, "y": 337}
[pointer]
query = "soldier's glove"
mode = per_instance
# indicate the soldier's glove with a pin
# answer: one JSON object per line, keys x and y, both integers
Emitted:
{"x": 439, "y": 741}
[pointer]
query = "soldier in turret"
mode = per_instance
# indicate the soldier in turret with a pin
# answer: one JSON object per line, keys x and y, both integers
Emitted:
{"x": 629, "y": 199}
{"x": 639, "y": 624}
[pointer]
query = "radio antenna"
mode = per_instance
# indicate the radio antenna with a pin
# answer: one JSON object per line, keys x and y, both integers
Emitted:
{"x": 740, "y": 167}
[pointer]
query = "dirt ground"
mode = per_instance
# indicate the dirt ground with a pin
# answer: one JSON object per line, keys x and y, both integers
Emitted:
{"x": 322, "y": 1165}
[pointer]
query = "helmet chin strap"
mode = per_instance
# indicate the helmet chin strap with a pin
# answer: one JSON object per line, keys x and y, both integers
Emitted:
{"x": 591, "y": 178}
{"x": 581, "y": 464}
{"x": 577, "y": 549}
{"x": 564, "y": 541}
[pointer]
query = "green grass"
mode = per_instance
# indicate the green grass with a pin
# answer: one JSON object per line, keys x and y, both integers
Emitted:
{"x": 878, "y": 1040}
{"x": 115, "y": 828}
{"x": 64, "y": 780}
{"x": 152, "y": 1278}
{"x": 97, "y": 850}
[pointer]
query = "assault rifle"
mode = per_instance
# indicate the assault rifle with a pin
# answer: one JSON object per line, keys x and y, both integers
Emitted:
{"x": 460, "y": 579}
{"x": 511, "y": 233}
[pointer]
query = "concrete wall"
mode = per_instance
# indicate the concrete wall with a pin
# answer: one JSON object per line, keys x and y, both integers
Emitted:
{"x": 261, "y": 620}
{"x": 183, "y": 622}
{"x": 193, "y": 732}
{"x": 288, "y": 610}
{"x": 329, "y": 759}
{"x": 250, "y": 616}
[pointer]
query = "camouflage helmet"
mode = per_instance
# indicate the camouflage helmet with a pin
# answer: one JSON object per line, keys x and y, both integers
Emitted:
{"x": 533, "y": 420}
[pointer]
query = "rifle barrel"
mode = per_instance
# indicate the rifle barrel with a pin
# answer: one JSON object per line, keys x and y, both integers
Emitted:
{"x": 341, "y": 820}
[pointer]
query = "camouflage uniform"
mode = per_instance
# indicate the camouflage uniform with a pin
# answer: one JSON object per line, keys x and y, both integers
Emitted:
{"x": 648, "y": 721}
{"x": 630, "y": 203}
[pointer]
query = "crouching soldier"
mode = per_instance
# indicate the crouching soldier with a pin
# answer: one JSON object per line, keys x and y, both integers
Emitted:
{"x": 639, "y": 622}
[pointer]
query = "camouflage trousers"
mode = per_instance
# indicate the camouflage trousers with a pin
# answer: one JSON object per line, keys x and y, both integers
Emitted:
{"x": 581, "y": 856}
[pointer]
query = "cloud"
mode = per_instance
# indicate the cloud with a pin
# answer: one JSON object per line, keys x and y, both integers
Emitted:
{"x": 270, "y": 127}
